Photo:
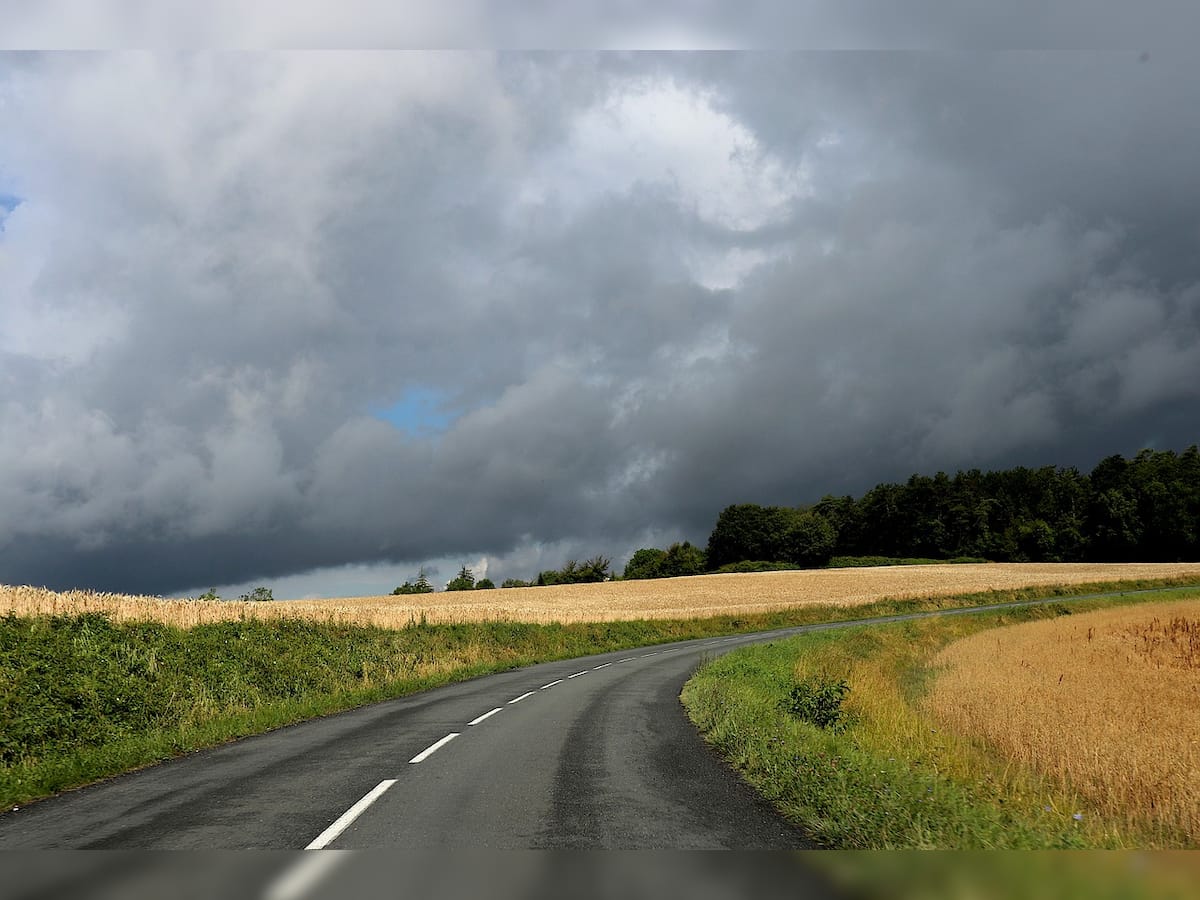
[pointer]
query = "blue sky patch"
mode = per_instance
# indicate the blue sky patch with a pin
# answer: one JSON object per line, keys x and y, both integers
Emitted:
{"x": 8, "y": 203}
{"x": 421, "y": 411}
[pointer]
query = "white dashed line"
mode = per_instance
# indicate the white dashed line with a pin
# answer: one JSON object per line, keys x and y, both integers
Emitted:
{"x": 486, "y": 715}
{"x": 626, "y": 659}
{"x": 577, "y": 674}
{"x": 298, "y": 881}
{"x": 522, "y": 697}
{"x": 605, "y": 666}
{"x": 434, "y": 748}
{"x": 550, "y": 685}
{"x": 343, "y": 822}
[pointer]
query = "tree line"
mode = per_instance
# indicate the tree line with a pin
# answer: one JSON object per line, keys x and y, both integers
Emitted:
{"x": 1145, "y": 509}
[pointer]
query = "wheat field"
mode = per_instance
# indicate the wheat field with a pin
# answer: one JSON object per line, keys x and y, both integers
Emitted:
{"x": 673, "y": 598}
{"x": 1108, "y": 701}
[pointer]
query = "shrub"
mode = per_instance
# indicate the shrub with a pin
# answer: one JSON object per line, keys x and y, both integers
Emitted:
{"x": 515, "y": 582}
{"x": 818, "y": 700}
{"x": 484, "y": 584}
{"x": 756, "y": 565}
{"x": 257, "y": 595}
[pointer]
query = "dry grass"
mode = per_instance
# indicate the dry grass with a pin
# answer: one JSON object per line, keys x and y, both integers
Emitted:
{"x": 669, "y": 598}
{"x": 1107, "y": 701}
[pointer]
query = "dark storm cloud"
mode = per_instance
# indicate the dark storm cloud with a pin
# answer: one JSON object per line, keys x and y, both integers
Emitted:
{"x": 642, "y": 287}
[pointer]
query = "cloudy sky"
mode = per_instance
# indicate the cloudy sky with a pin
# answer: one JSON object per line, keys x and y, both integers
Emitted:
{"x": 312, "y": 319}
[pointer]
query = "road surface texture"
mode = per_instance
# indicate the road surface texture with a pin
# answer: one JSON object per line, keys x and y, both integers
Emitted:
{"x": 585, "y": 754}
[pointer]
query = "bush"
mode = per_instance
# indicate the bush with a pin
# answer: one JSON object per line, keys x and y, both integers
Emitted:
{"x": 257, "y": 595}
{"x": 484, "y": 584}
{"x": 818, "y": 700}
{"x": 756, "y": 565}
{"x": 515, "y": 582}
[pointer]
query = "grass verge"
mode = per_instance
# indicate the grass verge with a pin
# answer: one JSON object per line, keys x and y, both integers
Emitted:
{"x": 877, "y": 773}
{"x": 83, "y": 697}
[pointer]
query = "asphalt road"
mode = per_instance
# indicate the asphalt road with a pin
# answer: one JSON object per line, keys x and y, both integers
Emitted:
{"x": 587, "y": 753}
{"x": 591, "y": 753}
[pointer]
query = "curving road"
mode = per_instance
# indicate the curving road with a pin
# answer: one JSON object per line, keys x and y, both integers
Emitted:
{"x": 586, "y": 753}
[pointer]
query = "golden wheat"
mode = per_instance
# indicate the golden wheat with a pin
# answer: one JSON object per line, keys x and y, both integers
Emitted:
{"x": 1107, "y": 701}
{"x": 668, "y": 598}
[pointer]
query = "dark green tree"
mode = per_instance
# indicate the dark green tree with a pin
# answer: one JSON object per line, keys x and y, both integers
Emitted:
{"x": 420, "y": 586}
{"x": 682, "y": 559}
{"x": 463, "y": 581}
{"x": 645, "y": 563}
{"x": 747, "y": 531}
{"x": 810, "y": 539}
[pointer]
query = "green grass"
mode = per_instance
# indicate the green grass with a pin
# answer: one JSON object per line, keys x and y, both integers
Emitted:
{"x": 83, "y": 698}
{"x": 882, "y": 776}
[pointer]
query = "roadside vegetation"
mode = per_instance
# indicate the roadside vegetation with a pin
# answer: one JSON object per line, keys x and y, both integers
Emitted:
{"x": 839, "y": 729}
{"x": 83, "y": 696}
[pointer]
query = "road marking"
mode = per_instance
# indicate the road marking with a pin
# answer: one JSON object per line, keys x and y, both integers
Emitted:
{"x": 626, "y": 659}
{"x": 486, "y": 715}
{"x": 672, "y": 650}
{"x": 605, "y": 666}
{"x": 522, "y": 697}
{"x": 343, "y": 822}
{"x": 577, "y": 674}
{"x": 434, "y": 748}
{"x": 297, "y": 881}
{"x": 550, "y": 685}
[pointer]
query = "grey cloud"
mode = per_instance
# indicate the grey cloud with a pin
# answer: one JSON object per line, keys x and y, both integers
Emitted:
{"x": 224, "y": 263}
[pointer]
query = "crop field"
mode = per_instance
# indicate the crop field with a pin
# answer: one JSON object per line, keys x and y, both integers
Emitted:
{"x": 1108, "y": 701}
{"x": 668, "y": 598}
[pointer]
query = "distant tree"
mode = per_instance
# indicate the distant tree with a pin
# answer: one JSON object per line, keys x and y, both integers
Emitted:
{"x": 257, "y": 595}
{"x": 575, "y": 572}
{"x": 645, "y": 563}
{"x": 515, "y": 582}
{"x": 484, "y": 584}
{"x": 420, "y": 586}
{"x": 682, "y": 559}
{"x": 209, "y": 595}
{"x": 594, "y": 569}
{"x": 810, "y": 539}
{"x": 749, "y": 531}
{"x": 463, "y": 581}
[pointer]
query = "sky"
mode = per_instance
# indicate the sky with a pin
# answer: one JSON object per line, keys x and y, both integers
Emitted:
{"x": 315, "y": 318}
